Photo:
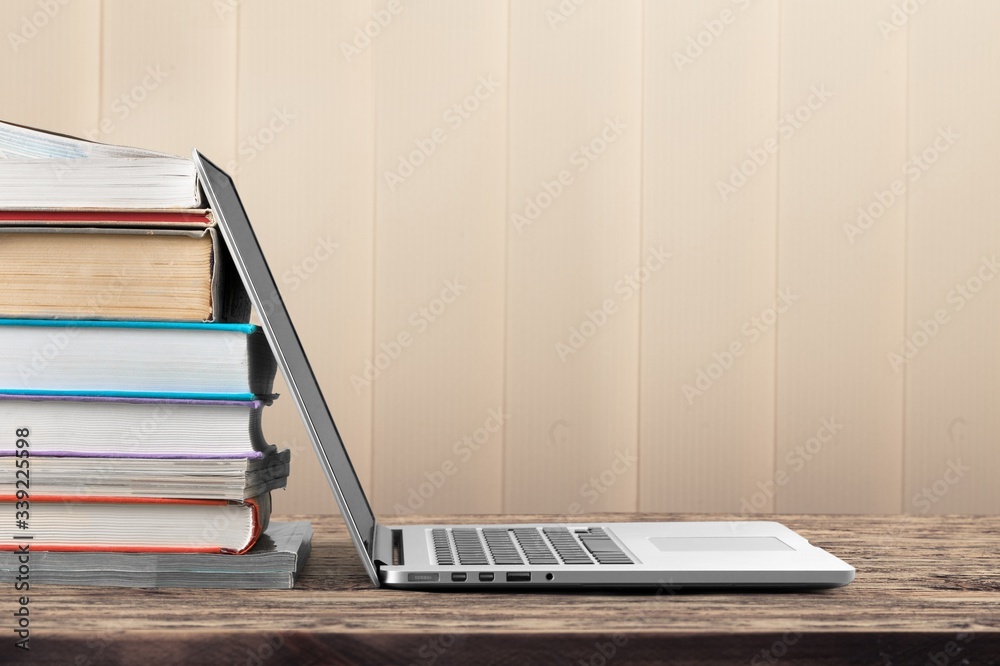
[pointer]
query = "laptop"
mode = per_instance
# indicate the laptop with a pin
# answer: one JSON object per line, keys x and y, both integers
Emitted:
{"x": 658, "y": 555}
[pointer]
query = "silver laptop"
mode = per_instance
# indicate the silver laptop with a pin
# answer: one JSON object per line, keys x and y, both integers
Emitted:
{"x": 507, "y": 556}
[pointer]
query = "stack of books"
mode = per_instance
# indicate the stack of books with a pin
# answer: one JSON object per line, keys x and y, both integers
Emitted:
{"x": 131, "y": 384}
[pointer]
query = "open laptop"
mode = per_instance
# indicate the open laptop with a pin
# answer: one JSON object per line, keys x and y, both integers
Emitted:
{"x": 503, "y": 557}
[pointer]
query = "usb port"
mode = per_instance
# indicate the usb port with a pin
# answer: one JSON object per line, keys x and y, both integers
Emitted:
{"x": 486, "y": 576}
{"x": 459, "y": 577}
{"x": 518, "y": 576}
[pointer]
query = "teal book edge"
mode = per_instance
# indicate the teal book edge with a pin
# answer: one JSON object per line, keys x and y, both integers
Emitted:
{"x": 89, "y": 323}
{"x": 135, "y": 394}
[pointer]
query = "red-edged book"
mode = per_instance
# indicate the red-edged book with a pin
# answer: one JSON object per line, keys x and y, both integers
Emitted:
{"x": 132, "y": 524}
{"x": 183, "y": 218}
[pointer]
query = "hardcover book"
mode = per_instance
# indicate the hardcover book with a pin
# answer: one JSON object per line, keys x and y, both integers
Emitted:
{"x": 137, "y": 524}
{"x": 112, "y": 273}
{"x": 88, "y": 426}
{"x": 181, "y": 218}
{"x": 135, "y": 359}
{"x": 233, "y": 479}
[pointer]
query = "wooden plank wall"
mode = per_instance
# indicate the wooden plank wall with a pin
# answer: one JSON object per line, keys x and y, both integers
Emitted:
{"x": 953, "y": 242}
{"x": 440, "y": 137}
{"x": 839, "y": 404}
{"x": 460, "y": 201}
{"x": 702, "y": 354}
{"x": 573, "y": 183}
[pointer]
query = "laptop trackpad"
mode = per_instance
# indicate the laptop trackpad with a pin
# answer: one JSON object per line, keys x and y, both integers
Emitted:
{"x": 718, "y": 544}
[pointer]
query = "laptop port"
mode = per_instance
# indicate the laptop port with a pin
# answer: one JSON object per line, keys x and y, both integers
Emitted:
{"x": 422, "y": 577}
{"x": 486, "y": 576}
{"x": 518, "y": 576}
{"x": 459, "y": 577}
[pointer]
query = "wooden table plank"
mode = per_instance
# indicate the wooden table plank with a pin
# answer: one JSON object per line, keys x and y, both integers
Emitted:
{"x": 926, "y": 587}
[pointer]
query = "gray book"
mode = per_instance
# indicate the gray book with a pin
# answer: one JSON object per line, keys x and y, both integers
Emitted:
{"x": 233, "y": 479}
{"x": 274, "y": 562}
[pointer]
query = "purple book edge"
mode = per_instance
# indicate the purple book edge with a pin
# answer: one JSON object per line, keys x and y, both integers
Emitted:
{"x": 247, "y": 455}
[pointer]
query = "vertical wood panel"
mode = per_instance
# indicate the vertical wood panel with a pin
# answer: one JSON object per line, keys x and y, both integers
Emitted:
{"x": 437, "y": 367}
{"x": 49, "y": 65}
{"x": 305, "y": 169}
{"x": 311, "y": 114}
{"x": 707, "y": 427}
{"x": 952, "y": 384}
{"x": 169, "y": 76}
{"x": 575, "y": 111}
{"x": 839, "y": 418}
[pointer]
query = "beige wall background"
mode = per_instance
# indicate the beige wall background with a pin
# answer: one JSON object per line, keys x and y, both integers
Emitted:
{"x": 472, "y": 202}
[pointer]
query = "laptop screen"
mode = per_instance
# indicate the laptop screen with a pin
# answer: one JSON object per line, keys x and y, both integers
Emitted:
{"x": 260, "y": 285}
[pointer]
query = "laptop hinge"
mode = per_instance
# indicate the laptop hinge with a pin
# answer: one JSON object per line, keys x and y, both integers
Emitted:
{"x": 388, "y": 546}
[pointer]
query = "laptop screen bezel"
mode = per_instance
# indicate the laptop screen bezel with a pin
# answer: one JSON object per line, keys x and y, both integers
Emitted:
{"x": 246, "y": 253}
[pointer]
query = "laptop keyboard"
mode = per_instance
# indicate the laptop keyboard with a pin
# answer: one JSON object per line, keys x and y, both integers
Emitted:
{"x": 525, "y": 545}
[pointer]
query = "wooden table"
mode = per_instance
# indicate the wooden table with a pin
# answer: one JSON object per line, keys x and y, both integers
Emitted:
{"x": 927, "y": 591}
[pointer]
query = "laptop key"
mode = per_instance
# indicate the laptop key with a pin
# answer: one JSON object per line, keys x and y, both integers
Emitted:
{"x": 468, "y": 546}
{"x": 442, "y": 547}
{"x": 501, "y": 547}
{"x": 604, "y": 550}
{"x": 534, "y": 546}
{"x": 566, "y": 546}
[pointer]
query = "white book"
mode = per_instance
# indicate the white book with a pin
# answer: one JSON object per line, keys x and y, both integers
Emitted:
{"x": 100, "y": 426}
{"x": 135, "y": 359}
{"x": 234, "y": 479}
{"x": 42, "y": 170}
{"x": 137, "y": 524}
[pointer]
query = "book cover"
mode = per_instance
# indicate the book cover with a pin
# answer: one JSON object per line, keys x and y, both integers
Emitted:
{"x": 135, "y": 427}
{"x": 274, "y": 562}
{"x": 136, "y": 524}
{"x": 135, "y": 359}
